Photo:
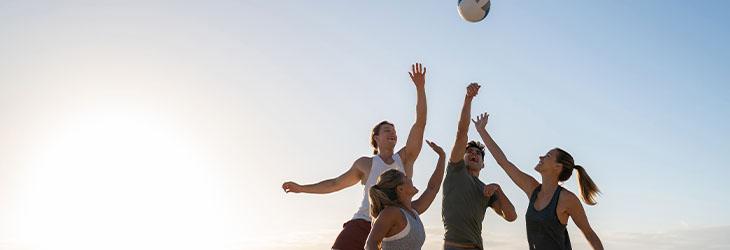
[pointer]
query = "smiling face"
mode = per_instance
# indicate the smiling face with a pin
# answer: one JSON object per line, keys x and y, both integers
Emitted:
{"x": 384, "y": 136}
{"x": 548, "y": 163}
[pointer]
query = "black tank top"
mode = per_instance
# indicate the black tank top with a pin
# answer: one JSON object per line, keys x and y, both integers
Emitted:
{"x": 544, "y": 230}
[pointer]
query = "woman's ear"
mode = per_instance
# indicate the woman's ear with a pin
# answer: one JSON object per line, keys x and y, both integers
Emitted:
{"x": 559, "y": 166}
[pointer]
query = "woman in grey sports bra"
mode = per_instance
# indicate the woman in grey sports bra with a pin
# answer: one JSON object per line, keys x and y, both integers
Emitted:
{"x": 396, "y": 223}
{"x": 550, "y": 204}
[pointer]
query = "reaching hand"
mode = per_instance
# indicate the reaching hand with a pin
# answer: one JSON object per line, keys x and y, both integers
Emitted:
{"x": 490, "y": 189}
{"x": 418, "y": 75}
{"x": 291, "y": 186}
{"x": 472, "y": 90}
{"x": 481, "y": 121}
{"x": 436, "y": 148}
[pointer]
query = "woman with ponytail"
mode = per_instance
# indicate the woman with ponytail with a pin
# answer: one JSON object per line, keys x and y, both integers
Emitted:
{"x": 550, "y": 204}
{"x": 397, "y": 224}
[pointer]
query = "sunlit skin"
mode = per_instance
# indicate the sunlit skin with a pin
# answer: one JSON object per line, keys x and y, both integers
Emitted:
{"x": 475, "y": 162}
{"x": 390, "y": 221}
{"x": 569, "y": 206}
{"x": 386, "y": 139}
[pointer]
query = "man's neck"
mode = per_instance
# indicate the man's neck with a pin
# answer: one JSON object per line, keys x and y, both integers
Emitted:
{"x": 386, "y": 155}
{"x": 474, "y": 172}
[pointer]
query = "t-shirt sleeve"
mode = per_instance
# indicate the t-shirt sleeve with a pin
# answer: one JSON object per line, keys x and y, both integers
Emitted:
{"x": 454, "y": 167}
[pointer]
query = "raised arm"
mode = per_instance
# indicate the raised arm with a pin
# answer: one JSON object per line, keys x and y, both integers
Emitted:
{"x": 575, "y": 210}
{"x": 410, "y": 152}
{"x": 457, "y": 153}
{"x": 347, "y": 179}
{"x": 526, "y": 182}
{"x": 502, "y": 205}
{"x": 434, "y": 184}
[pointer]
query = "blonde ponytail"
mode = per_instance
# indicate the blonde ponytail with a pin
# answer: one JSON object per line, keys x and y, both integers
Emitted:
{"x": 383, "y": 193}
{"x": 588, "y": 189}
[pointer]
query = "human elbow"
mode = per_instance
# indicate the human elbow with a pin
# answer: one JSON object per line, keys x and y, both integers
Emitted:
{"x": 510, "y": 217}
{"x": 335, "y": 185}
{"x": 434, "y": 186}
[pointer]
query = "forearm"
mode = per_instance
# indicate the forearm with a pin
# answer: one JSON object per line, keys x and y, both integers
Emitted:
{"x": 461, "y": 131}
{"x": 415, "y": 136}
{"x": 508, "y": 210}
{"x": 493, "y": 147}
{"x": 594, "y": 240}
{"x": 322, "y": 187}
{"x": 421, "y": 107}
{"x": 465, "y": 116}
{"x": 438, "y": 175}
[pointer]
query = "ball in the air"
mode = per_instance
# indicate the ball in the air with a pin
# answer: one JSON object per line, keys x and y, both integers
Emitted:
{"x": 473, "y": 10}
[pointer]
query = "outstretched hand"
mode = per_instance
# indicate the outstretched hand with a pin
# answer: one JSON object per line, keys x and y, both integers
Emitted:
{"x": 418, "y": 75}
{"x": 291, "y": 186}
{"x": 436, "y": 148}
{"x": 481, "y": 121}
{"x": 472, "y": 90}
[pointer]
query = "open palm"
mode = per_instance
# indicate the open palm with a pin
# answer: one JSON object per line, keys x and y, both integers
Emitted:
{"x": 481, "y": 121}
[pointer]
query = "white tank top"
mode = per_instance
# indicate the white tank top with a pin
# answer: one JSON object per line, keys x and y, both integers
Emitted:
{"x": 376, "y": 170}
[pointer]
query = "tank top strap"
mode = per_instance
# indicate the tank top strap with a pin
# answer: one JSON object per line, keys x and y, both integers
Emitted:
{"x": 554, "y": 200}
{"x": 533, "y": 196}
{"x": 376, "y": 168}
{"x": 377, "y": 159}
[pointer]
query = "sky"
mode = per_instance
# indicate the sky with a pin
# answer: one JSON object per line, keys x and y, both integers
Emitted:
{"x": 172, "y": 124}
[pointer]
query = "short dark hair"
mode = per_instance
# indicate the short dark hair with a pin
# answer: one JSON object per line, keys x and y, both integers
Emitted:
{"x": 477, "y": 145}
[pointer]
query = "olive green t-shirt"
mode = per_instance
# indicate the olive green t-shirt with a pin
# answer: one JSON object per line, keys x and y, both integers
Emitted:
{"x": 464, "y": 205}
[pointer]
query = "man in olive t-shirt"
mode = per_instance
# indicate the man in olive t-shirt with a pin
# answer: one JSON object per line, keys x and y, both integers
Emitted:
{"x": 466, "y": 198}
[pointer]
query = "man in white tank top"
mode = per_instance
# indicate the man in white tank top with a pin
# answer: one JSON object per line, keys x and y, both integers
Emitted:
{"x": 367, "y": 169}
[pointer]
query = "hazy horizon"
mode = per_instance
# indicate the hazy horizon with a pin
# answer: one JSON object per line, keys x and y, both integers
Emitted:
{"x": 172, "y": 125}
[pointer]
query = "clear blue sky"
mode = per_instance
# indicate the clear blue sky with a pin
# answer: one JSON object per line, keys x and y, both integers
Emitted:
{"x": 123, "y": 119}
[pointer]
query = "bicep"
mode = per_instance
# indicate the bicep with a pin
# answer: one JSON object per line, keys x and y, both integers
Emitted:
{"x": 350, "y": 177}
{"x": 413, "y": 144}
{"x": 407, "y": 164}
{"x": 578, "y": 214}
{"x": 457, "y": 153}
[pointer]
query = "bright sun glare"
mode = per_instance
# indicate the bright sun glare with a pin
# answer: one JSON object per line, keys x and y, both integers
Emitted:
{"x": 119, "y": 180}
